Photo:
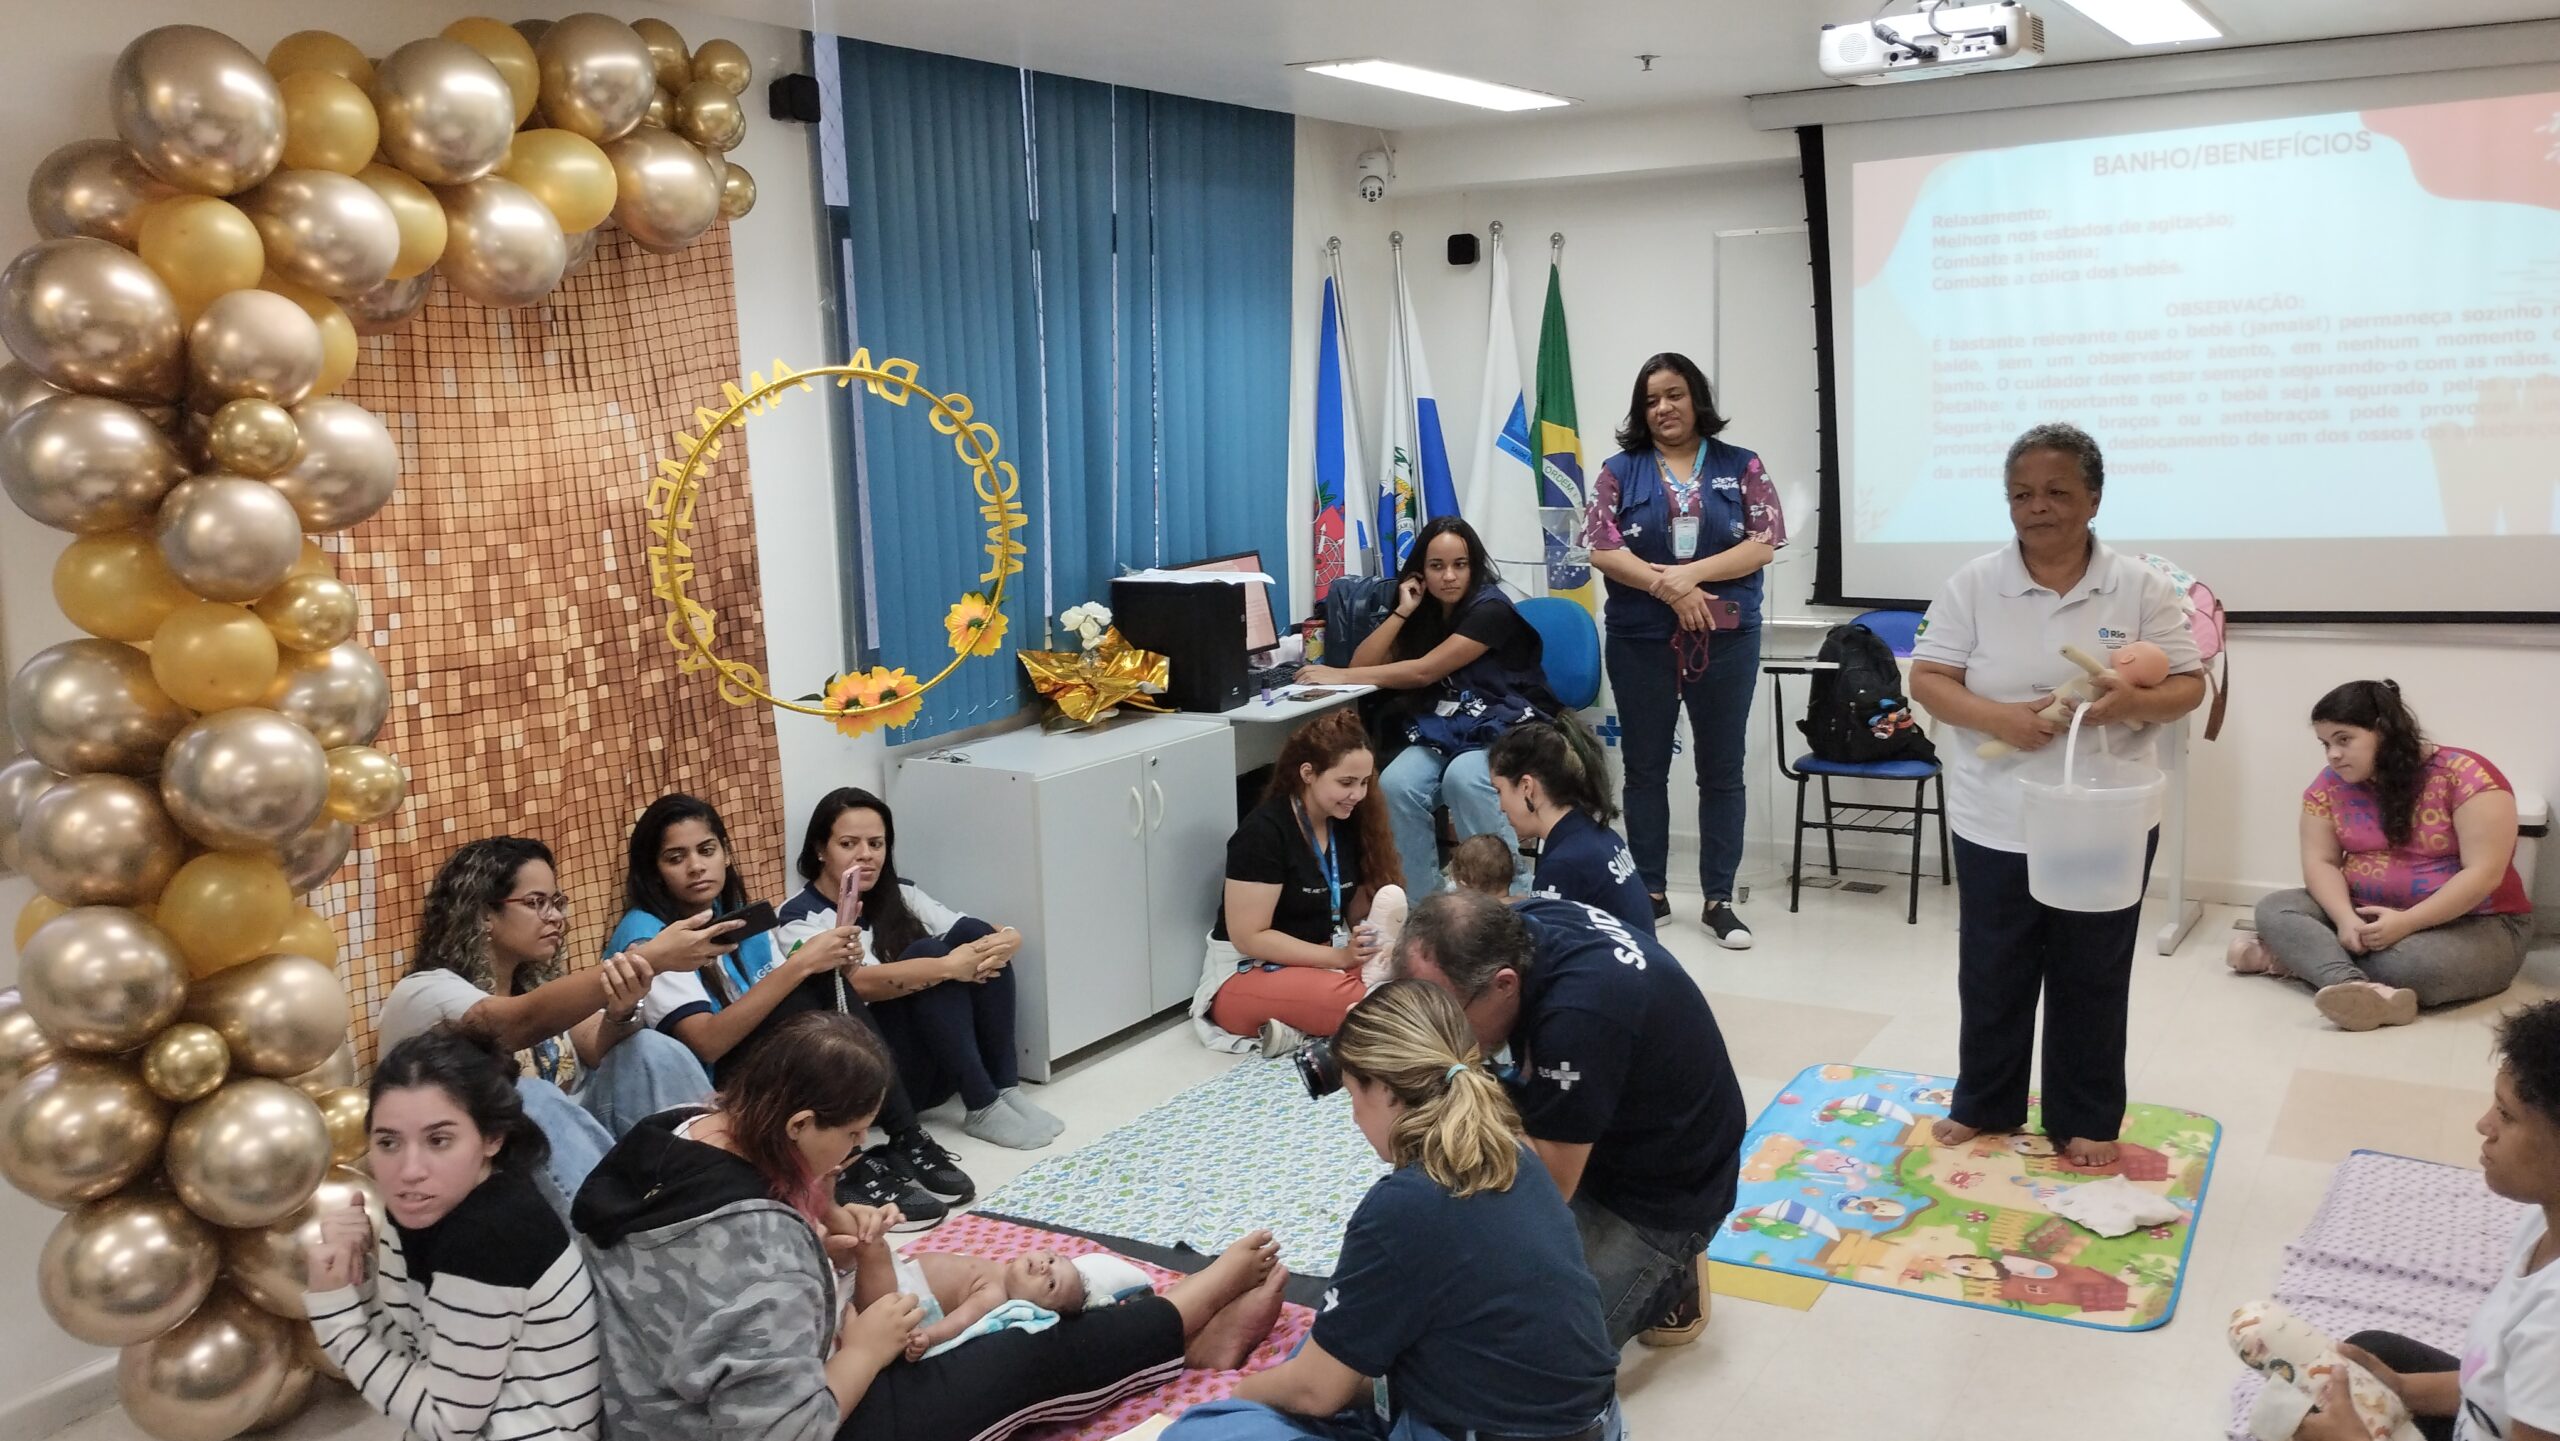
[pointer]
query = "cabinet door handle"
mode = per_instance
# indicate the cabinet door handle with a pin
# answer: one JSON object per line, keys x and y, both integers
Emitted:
{"x": 1157, "y": 787}
{"x": 1137, "y": 813}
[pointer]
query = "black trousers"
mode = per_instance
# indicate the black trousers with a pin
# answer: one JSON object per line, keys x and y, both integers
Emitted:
{"x": 2412, "y": 1358}
{"x": 2012, "y": 949}
{"x": 998, "y": 1384}
{"x": 955, "y": 1038}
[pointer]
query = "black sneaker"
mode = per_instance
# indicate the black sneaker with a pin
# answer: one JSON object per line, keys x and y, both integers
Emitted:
{"x": 1661, "y": 908}
{"x": 926, "y": 1164}
{"x": 1682, "y": 1321}
{"x": 1728, "y": 928}
{"x": 872, "y": 1180}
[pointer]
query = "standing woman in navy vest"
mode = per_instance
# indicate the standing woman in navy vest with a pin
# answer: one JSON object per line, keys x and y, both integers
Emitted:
{"x": 1680, "y": 527}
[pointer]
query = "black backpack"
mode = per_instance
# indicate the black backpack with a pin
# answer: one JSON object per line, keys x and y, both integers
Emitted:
{"x": 1859, "y": 712}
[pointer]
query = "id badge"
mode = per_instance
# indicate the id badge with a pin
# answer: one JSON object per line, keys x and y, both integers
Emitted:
{"x": 1684, "y": 537}
{"x": 1341, "y": 935}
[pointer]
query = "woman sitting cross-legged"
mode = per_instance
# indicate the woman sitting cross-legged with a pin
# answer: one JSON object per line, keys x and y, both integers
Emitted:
{"x": 1555, "y": 790}
{"x": 715, "y": 1249}
{"x": 680, "y": 872}
{"x": 2410, "y": 895}
{"x": 478, "y": 1319}
{"x": 488, "y": 957}
{"x": 1304, "y": 869}
{"x": 2505, "y": 1386}
{"x": 1469, "y": 668}
{"x": 938, "y": 985}
{"x": 1461, "y": 1281}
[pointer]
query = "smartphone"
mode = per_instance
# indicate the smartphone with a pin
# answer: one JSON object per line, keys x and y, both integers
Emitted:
{"x": 1724, "y": 614}
{"x": 749, "y": 921}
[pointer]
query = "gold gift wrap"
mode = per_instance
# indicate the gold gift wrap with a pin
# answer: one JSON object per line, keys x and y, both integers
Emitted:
{"x": 1083, "y": 684}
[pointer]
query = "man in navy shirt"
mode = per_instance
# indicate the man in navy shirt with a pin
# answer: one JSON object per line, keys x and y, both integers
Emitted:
{"x": 1621, "y": 1077}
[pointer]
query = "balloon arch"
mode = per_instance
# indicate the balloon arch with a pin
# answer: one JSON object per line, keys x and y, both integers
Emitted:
{"x": 180, "y": 1078}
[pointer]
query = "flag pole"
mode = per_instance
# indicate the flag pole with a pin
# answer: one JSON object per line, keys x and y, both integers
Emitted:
{"x": 1342, "y": 307}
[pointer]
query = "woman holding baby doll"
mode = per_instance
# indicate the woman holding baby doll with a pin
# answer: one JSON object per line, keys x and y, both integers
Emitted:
{"x": 1986, "y": 663}
{"x": 715, "y": 1247}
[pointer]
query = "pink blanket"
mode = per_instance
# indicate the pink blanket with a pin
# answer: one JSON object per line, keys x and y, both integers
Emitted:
{"x": 1002, "y": 1240}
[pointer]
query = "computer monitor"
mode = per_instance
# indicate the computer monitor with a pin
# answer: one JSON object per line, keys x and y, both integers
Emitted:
{"x": 1260, "y": 632}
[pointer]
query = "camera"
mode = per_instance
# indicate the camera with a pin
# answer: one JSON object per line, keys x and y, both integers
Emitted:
{"x": 1317, "y": 1068}
{"x": 1377, "y": 167}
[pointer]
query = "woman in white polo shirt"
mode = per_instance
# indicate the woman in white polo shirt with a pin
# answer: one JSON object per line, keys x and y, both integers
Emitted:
{"x": 1987, "y": 661}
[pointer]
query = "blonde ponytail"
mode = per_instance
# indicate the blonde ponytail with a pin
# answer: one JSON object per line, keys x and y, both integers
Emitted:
{"x": 1458, "y": 1123}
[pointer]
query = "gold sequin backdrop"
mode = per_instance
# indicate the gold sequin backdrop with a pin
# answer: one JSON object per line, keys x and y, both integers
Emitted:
{"x": 506, "y": 593}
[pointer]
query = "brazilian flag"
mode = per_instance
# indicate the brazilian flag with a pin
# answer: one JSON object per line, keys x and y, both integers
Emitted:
{"x": 1557, "y": 434}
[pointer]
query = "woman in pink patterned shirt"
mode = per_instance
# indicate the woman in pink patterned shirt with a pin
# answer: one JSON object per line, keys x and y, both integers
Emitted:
{"x": 2410, "y": 895}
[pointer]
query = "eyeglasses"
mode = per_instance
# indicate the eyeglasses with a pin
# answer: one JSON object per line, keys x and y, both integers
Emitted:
{"x": 554, "y": 904}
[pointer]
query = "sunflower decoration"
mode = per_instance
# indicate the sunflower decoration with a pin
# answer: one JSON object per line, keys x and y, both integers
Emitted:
{"x": 976, "y": 626}
{"x": 869, "y": 700}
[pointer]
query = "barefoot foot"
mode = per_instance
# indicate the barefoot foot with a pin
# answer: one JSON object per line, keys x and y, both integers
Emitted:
{"x": 1947, "y": 1131}
{"x": 2089, "y": 1155}
{"x": 1230, "y": 1338}
{"x": 1237, "y": 1271}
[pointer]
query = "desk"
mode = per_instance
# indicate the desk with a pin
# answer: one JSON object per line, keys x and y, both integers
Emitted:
{"x": 1261, "y": 730}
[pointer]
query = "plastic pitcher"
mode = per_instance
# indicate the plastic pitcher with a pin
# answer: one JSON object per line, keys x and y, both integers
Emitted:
{"x": 2088, "y": 819}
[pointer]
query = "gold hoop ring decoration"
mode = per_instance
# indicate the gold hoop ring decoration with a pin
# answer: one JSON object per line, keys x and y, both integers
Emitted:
{"x": 883, "y": 695}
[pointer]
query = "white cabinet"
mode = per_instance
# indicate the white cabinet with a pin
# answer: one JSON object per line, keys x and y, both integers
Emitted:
{"x": 1105, "y": 848}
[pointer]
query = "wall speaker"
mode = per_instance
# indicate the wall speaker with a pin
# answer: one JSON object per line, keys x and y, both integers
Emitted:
{"x": 794, "y": 97}
{"x": 1464, "y": 248}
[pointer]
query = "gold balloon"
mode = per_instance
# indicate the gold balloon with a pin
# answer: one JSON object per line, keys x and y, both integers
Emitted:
{"x": 78, "y": 1128}
{"x": 223, "y": 909}
{"x": 198, "y": 109}
{"x": 334, "y": 1074}
{"x": 307, "y": 1350}
{"x": 665, "y": 193}
{"x": 568, "y": 173}
{"x": 725, "y": 62}
{"x": 708, "y": 114}
{"x": 94, "y": 188}
{"x": 346, "y": 468}
{"x": 313, "y": 560}
{"x": 309, "y": 612}
{"x": 737, "y": 192}
{"x": 346, "y": 1112}
{"x": 201, "y": 248}
{"x": 250, "y": 1153}
{"x": 672, "y": 62}
{"x": 122, "y": 1270}
{"x": 512, "y": 54}
{"x": 116, "y": 586}
{"x": 661, "y": 114}
{"x": 446, "y": 112}
{"x": 21, "y": 390}
{"x": 100, "y": 978}
{"x": 309, "y": 934}
{"x": 23, "y": 1045}
{"x": 317, "y": 854}
{"x": 319, "y": 50}
{"x": 328, "y": 123}
{"x": 389, "y": 306}
{"x": 211, "y": 656}
{"x": 271, "y": 1264}
{"x": 325, "y": 230}
{"x": 211, "y": 1376}
{"x": 280, "y": 1014}
{"x": 98, "y": 840}
{"x": 293, "y": 1397}
{"x": 85, "y": 315}
{"x": 420, "y": 217}
{"x": 227, "y": 537}
{"x": 597, "y": 76}
{"x": 340, "y": 695}
{"x": 87, "y": 464}
{"x": 22, "y": 779}
{"x": 253, "y": 345}
{"x": 91, "y": 705}
{"x": 186, "y": 1062}
{"x": 251, "y": 437}
{"x": 337, "y": 332}
{"x": 503, "y": 247}
{"x": 364, "y": 784}
{"x": 245, "y": 779}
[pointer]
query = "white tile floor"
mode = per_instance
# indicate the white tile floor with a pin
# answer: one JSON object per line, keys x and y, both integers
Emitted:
{"x": 2293, "y": 1096}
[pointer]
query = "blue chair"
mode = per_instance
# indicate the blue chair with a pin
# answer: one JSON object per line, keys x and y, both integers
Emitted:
{"x": 1570, "y": 647}
{"x": 1898, "y": 629}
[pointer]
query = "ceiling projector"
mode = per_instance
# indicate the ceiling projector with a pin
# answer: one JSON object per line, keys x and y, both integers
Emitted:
{"x": 1937, "y": 39}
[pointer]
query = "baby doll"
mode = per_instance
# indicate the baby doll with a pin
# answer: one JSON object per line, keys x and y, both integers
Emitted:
{"x": 2297, "y": 1361}
{"x": 2140, "y": 663}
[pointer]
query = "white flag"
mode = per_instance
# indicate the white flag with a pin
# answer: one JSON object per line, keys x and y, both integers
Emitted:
{"x": 1501, "y": 498}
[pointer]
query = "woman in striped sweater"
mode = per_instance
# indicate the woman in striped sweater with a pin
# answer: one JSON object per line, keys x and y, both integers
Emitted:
{"x": 479, "y": 1320}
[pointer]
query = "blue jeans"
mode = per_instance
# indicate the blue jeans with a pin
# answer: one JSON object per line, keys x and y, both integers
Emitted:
{"x": 1644, "y": 677}
{"x": 1418, "y": 782}
{"x": 1637, "y": 1267}
{"x": 645, "y": 1073}
{"x": 1253, "y": 1421}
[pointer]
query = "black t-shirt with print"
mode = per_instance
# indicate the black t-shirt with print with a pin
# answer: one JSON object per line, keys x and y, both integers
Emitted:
{"x": 1271, "y": 848}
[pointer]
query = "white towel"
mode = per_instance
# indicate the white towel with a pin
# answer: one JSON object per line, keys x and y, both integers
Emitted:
{"x": 2113, "y": 1206}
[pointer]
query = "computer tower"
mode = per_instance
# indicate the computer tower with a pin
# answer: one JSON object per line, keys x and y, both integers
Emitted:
{"x": 1198, "y": 627}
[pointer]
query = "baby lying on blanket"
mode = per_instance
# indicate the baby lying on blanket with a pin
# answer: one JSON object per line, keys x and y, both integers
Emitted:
{"x": 969, "y": 1296}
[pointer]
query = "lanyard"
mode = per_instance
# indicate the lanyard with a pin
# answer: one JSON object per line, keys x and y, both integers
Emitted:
{"x": 1325, "y": 858}
{"x": 1683, "y": 492}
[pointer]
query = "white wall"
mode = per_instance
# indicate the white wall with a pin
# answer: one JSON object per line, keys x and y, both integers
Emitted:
{"x": 58, "y": 86}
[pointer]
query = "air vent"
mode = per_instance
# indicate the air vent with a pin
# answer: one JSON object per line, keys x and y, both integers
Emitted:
{"x": 1863, "y": 888}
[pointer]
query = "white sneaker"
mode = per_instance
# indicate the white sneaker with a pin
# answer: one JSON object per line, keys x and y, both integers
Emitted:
{"x": 1279, "y": 1038}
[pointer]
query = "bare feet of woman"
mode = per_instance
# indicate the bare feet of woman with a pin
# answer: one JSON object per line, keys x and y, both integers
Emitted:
{"x": 1947, "y": 1131}
{"x": 2089, "y": 1155}
{"x": 1231, "y": 1337}
{"x": 1239, "y": 1269}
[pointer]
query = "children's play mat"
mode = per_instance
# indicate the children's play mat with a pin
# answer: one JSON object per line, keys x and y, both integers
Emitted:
{"x": 1842, "y": 1181}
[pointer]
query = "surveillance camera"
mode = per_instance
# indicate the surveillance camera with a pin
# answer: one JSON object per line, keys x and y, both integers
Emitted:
{"x": 1372, "y": 189}
{"x": 1377, "y": 167}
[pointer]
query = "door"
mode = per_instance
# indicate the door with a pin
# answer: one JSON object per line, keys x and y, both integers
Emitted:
{"x": 1190, "y": 813}
{"x": 1093, "y": 977}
